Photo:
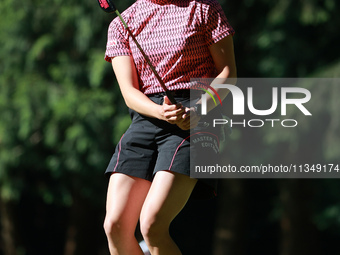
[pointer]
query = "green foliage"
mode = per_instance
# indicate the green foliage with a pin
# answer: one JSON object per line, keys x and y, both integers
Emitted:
{"x": 289, "y": 38}
{"x": 284, "y": 38}
{"x": 58, "y": 101}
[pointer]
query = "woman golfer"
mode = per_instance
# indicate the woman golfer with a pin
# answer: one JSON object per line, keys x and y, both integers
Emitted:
{"x": 149, "y": 171}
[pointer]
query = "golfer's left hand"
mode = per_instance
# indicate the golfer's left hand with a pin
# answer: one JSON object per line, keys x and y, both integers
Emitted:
{"x": 189, "y": 119}
{"x": 170, "y": 112}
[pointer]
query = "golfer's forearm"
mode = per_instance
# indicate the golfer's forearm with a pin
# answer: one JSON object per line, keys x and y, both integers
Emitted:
{"x": 126, "y": 75}
{"x": 139, "y": 102}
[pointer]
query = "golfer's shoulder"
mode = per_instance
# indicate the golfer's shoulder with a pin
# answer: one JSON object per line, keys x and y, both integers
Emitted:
{"x": 211, "y": 9}
{"x": 209, "y": 3}
{"x": 131, "y": 10}
{"x": 127, "y": 15}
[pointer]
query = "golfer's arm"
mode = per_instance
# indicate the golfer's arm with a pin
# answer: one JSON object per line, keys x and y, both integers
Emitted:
{"x": 222, "y": 53}
{"x": 126, "y": 75}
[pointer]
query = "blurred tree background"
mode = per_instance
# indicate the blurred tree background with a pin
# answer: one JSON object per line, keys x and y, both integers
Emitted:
{"x": 61, "y": 114}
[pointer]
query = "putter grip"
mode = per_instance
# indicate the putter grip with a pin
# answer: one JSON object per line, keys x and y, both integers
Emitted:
{"x": 170, "y": 96}
{"x": 107, "y": 6}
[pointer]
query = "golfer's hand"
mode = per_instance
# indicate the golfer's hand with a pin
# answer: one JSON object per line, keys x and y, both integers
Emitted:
{"x": 171, "y": 112}
{"x": 188, "y": 120}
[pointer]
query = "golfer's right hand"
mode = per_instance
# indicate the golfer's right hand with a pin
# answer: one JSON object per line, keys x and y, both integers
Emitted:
{"x": 171, "y": 112}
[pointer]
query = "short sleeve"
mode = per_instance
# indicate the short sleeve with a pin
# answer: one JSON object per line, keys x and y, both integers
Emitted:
{"x": 117, "y": 41}
{"x": 217, "y": 25}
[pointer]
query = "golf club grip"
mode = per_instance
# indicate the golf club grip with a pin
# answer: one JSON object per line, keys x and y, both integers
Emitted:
{"x": 107, "y": 6}
{"x": 170, "y": 96}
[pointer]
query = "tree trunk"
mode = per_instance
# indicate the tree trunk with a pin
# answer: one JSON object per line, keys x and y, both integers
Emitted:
{"x": 85, "y": 234}
{"x": 7, "y": 228}
{"x": 298, "y": 233}
{"x": 229, "y": 231}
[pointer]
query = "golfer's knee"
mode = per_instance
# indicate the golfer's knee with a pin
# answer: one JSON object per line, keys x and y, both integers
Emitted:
{"x": 154, "y": 229}
{"x": 113, "y": 228}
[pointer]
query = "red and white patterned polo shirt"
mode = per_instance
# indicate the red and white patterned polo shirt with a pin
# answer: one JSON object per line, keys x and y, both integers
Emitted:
{"x": 175, "y": 34}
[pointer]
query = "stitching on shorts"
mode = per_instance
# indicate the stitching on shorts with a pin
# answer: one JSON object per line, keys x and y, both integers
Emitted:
{"x": 173, "y": 158}
{"x": 120, "y": 148}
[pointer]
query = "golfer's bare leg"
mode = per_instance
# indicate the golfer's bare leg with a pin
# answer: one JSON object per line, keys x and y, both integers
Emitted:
{"x": 168, "y": 195}
{"x": 125, "y": 198}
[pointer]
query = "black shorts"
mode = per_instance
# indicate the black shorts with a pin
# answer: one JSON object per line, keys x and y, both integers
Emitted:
{"x": 150, "y": 145}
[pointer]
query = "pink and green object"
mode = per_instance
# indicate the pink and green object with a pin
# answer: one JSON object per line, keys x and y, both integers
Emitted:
{"x": 211, "y": 95}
